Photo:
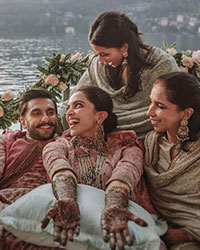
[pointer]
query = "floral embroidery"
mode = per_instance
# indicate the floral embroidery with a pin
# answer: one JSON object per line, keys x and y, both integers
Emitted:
{"x": 91, "y": 158}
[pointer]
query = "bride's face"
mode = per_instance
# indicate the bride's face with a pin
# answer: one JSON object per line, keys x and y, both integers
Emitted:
{"x": 81, "y": 116}
{"x": 111, "y": 56}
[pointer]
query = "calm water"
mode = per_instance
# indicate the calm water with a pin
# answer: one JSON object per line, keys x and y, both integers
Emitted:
{"x": 20, "y": 57}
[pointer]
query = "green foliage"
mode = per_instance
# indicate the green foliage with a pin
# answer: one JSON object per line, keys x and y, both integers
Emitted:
{"x": 61, "y": 71}
{"x": 9, "y": 112}
{"x": 56, "y": 75}
{"x": 66, "y": 69}
{"x": 188, "y": 60}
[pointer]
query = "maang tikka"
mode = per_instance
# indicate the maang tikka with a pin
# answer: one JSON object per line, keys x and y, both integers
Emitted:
{"x": 183, "y": 131}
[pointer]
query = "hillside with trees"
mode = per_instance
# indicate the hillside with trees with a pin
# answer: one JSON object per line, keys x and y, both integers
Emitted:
{"x": 51, "y": 17}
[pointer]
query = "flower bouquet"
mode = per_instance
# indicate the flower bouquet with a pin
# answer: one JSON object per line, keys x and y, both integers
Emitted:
{"x": 188, "y": 61}
{"x": 9, "y": 111}
{"x": 57, "y": 75}
{"x": 61, "y": 72}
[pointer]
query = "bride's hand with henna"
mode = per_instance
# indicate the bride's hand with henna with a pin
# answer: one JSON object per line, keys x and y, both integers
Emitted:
{"x": 115, "y": 217}
{"x": 66, "y": 217}
{"x": 114, "y": 223}
{"x": 65, "y": 213}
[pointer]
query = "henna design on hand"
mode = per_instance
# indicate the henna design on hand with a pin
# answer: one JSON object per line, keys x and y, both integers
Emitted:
{"x": 65, "y": 213}
{"x": 115, "y": 217}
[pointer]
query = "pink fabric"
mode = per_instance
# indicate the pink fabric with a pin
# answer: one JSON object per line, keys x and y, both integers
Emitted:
{"x": 13, "y": 151}
{"x": 12, "y": 243}
{"x": 12, "y": 145}
{"x": 124, "y": 162}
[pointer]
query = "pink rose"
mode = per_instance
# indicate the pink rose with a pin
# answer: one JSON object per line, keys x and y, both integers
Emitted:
{"x": 171, "y": 51}
{"x": 52, "y": 80}
{"x": 1, "y": 111}
{"x": 196, "y": 56}
{"x": 187, "y": 61}
{"x": 76, "y": 57}
{"x": 7, "y": 96}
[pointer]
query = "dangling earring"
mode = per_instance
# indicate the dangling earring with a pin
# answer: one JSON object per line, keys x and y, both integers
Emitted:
{"x": 125, "y": 68}
{"x": 99, "y": 136}
{"x": 99, "y": 133}
{"x": 183, "y": 131}
{"x": 125, "y": 55}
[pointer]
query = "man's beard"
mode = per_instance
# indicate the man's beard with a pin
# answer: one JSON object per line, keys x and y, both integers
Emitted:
{"x": 33, "y": 133}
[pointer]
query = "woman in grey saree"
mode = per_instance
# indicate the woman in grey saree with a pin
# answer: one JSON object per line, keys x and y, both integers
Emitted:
{"x": 172, "y": 157}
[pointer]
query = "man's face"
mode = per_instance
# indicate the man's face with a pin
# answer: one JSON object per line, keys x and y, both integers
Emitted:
{"x": 40, "y": 119}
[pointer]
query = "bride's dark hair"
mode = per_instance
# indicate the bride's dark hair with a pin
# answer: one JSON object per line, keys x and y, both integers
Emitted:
{"x": 102, "y": 101}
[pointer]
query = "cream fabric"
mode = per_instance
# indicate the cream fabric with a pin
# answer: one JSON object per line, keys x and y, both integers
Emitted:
{"x": 175, "y": 193}
{"x": 186, "y": 246}
{"x": 23, "y": 218}
{"x": 165, "y": 154}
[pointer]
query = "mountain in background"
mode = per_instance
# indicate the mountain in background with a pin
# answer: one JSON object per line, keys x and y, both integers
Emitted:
{"x": 56, "y": 17}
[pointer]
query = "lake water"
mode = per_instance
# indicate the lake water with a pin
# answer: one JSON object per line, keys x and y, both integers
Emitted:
{"x": 20, "y": 57}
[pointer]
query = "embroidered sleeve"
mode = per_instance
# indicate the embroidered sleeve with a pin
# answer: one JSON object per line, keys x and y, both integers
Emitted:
{"x": 55, "y": 157}
{"x": 129, "y": 168}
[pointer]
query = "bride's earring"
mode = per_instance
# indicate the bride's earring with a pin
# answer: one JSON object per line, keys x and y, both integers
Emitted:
{"x": 99, "y": 137}
{"x": 99, "y": 133}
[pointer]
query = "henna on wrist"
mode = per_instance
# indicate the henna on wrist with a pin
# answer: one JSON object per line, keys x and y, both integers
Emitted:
{"x": 65, "y": 212}
{"x": 64, "y": 187}
{"x": 115, "y": 217}
{"x": 117, "y": 197}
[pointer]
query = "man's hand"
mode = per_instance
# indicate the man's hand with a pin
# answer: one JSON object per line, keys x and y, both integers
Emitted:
{"x": 114, "y": 224}
{"x": 66, "y": 216}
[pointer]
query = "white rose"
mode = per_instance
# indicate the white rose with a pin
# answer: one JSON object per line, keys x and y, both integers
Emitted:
{"x": 52, "y": 80}
{"x": 171, "y": 51}
{"x": 7, "y": 96}
{"x": 1, "y": 111}
{"x": 76, "y": 57}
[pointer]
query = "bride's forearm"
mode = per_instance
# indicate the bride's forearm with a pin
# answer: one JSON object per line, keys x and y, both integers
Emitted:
{"x": 64, "y": 185}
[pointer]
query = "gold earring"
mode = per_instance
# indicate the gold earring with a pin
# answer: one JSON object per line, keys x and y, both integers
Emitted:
{"x": 183, "y": 131}
{"x": 125, "y": 55}
{"x": 99, "y": 137}
{"x": 99, "y": 133}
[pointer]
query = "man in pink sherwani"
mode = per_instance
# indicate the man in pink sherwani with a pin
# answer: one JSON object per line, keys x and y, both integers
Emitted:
{"x": 21, "y": 166}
